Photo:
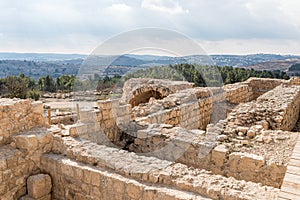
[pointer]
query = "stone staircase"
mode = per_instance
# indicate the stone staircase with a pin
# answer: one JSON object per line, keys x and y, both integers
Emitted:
{"x": 290, "y": 189}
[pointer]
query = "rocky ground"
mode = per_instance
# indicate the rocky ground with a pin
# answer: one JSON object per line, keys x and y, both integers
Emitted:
{"x": 274, "y": 146}
{"x": 297, "y": 126}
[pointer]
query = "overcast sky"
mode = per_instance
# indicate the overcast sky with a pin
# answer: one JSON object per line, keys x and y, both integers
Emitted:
{"x": 219, "y": 26}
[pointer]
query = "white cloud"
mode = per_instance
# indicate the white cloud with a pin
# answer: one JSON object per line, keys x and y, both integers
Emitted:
{"x": 291, "y": 11}
{"x": 251, "y": 46}
{"x": 165, "y": 6}
{"x": 215, "y": 21}
{"x": 120, "y": 7}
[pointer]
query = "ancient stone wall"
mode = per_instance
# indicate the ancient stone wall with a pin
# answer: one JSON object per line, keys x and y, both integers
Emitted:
{"x": 277, "y": 109}
{"x": 104, "y": 124}
{"x": 198, "y": 149}
{"x": 19, "y": 115}
{"x": 169, "y": 163}
{"x": 262, "y": 85}
{"x": 88, "y": 173}
{"x": 74, "y": 180}
{"x": 238, "y": 93}
{"x": 21, "y": 159}
{"x": 192, "y": 115}
{"x": 137, "y": 90}
{"x": 189, "y": 108}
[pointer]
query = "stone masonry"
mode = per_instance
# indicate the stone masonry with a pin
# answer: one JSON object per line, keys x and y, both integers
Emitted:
{"x": 162, "y": 140}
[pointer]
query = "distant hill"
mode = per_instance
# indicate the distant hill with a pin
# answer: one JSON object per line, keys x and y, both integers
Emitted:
{"x": 249, "y": 60}
{"x": 36, "y": 65}
{"x": 40, "y": 56}
{"x": 282, "y": 65}
{"x": 36, "y": 69}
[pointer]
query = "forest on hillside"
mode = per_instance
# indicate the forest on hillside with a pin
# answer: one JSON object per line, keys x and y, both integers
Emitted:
{"x": 205, "y": 75}
{"x": 24, "y": 87}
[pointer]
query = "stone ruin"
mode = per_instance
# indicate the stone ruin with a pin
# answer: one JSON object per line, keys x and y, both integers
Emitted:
{"x": 161, "y": 140}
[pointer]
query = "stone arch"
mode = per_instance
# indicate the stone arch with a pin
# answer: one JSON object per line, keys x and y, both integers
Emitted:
{"x": 143, "y": 95}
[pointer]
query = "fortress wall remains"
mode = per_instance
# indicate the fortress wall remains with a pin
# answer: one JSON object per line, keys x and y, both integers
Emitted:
{"x": 277, "y": 109}
{"x": 73, "y": 175}
{"x": 285, "y": 102}
{"x": 23, "y": 148}
{"x": 198, "y": 149}
{"x": 192, "y": 115}
{"x": 78, "y": 181}
{"x": 262, "y": 85}
{"x": 19, "y": 115}
{"x": 103, "y": 125}
{"x": 21, "y": 159}
{"x": 252, "y": 88}
{"x": 13, "y": 173}
{"x": 238, "y": 93}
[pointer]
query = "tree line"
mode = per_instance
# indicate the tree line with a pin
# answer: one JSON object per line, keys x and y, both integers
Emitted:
{"x": 205, "y": 75}
{"x": 24, "y": 87}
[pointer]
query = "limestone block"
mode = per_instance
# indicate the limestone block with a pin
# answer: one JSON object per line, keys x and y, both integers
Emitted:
{"x": 104, "y": 104}
{"x": 39, "y": 185}
{"x": 87, "y": 115}
{"x": 219, "y": 154}
{"x": 37, "y": 107}
{"x": 44, "y": 138}
{"x": 96, "y": 178}
{"x": 251, "y": 162}
{"x": 99, "y": 115}
{"x": 134, "y": 190}
{"x": 28, "y": 142}
{"x": 3, "y": 164}
{"x": 27, "y": 197}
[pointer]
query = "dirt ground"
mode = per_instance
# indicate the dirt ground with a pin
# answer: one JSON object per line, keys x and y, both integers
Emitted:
{"x": 67, "y": 103}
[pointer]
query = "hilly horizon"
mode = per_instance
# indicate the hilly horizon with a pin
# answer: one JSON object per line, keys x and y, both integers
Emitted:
{"x": 68, "y": 56}
{"x": 36, "y": 65}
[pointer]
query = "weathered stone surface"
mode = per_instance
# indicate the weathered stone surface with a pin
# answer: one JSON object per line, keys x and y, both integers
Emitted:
{"x": 219, "y": 155}
{"x": 27, "y": 197}
{"x": 230, "y": 148}
{"x": 270, "y": 108}
{"x": 137, "y": 89}
{"x": 27, "y": 142}
{"x": 251, "y": 133}
{"x": 39, "y": 185}
{"x": 176, "y": 176}
{"x": 25, "y": 114}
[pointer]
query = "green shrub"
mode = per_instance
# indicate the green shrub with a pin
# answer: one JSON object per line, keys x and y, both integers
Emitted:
{"x": 34, "y": 94}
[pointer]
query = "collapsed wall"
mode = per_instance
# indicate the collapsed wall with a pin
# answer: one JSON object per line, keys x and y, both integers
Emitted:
{"x": 277, "y": 109}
